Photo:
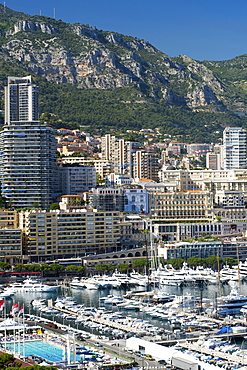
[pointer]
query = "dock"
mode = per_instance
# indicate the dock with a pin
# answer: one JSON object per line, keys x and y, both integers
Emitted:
{"x": 213, "y": 353}
{"x": 109, "y": 323}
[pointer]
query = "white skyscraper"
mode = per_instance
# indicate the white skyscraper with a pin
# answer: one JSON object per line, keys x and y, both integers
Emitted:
{"x": 28, "y": 149}
{"x": 234, "y": 148}
{"x": 21, "y": 100}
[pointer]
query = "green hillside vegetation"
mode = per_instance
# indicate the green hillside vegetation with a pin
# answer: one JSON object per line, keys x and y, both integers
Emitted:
{"x": 234, "y": 75}
{"x": 140, "y": 103}
{"x": 107, "y": 109}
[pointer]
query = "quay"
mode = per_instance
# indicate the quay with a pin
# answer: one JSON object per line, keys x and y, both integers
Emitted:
{"x": 214, "y": 353}
{"x": 197, "y": 334}
{"x": 105, "y": 322}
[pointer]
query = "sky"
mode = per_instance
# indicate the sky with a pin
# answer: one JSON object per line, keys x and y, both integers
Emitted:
{"x": 202, "y": 30}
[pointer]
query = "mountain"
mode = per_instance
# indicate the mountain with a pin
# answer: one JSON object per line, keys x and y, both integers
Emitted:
{"x": 105, "y": 79}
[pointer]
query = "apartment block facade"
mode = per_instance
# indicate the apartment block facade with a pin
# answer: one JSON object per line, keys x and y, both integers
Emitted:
{"x": 181, "y": 205}
{"x": 234, "y": 148}
{"x": 130, "y": 158}
{"x": 207, "y": 180}
{"x": 204, "y": 249}
{"x": 10, "y": 237}
{"x": 76, "y": 179}
{"x": 58, "y": 234}
{"x": 28, "y": 149}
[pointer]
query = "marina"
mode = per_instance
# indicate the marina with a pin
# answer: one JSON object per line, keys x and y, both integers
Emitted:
{"x": 169, "y": 316}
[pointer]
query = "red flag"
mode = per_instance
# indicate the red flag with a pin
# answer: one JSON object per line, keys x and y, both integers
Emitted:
{"x": 2, "y": 304}
{"x": 21, "y": 312}
{"x": 15, "y": 308}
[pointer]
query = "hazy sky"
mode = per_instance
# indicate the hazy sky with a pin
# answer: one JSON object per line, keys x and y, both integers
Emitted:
{"x": 203, "y": 30}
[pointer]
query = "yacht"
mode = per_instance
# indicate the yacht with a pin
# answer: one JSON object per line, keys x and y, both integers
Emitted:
{"x": 30, "y": 285}
{"x": 231, "y": 304}
{"x": 77, "y": 283}
{"x": 91, "y": 283}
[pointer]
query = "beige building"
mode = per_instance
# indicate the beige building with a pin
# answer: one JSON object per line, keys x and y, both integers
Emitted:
{"x": 130, "y": 158}
{"x": 10, "y": 237}
{"x": 145, "y": 165}
{"x": 181, "y": 205}
{"x": 101, "y": 165}
{"x": 11, "y": 245}
{"x": 207, "y": 180}
{"x": 8, "y": 219}
{"x": 57, "y": 234}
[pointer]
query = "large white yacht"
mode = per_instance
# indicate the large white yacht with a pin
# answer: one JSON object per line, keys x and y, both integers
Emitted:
{"x": 30, "y": 285}
{"x": 232, "y": 303}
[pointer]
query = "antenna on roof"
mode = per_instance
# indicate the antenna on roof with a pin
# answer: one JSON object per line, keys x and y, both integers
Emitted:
{"x": 40, "y": 13}
{"x": 54, "y": 13}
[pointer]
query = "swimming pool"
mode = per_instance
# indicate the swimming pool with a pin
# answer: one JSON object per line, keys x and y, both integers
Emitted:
{"x": 39, "y": 348}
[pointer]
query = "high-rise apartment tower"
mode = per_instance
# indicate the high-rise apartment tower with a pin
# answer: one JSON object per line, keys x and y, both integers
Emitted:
{"x": 28, "y": 149}
{"x": 234, "y": 148}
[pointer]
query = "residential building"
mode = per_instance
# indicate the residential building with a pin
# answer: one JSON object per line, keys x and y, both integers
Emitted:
{"x": 208, "y": 180}
{"x": 8, "y": 219}
{"x": 181, "y": 205}
{"x": 11, "y": 246}
{"x": 145, "y": 165}
{"x": 107, "y": 199}
{"x": 229, "y": 204}
{"x": 76, "y": 179}
{"x": 166, "y": 230}
{"x": 118, "y": 153}
{"x": 187, "y": 250}
{"x": 28, "y": 149}
{"x": 10, "y": 237}
{"x": 114, "y": 179}
{"x": 57, "y": 234}
{"x": 198, "y": 149}
{"x": 234, "y": 148}
{"x": 69, "y": 202}
{"x": 213, "y": 161}
{"x": 21, "y": 100}
{"x": 101, "y": 165}
{"x": 203, "y": 249}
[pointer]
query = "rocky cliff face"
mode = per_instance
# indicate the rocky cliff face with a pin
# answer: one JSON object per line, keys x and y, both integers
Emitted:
{"x": 22, "y": 26}
{"x": 93, "y": 59}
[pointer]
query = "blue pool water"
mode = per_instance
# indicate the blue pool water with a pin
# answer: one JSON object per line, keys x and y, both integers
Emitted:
{"x": 39, "y": 348}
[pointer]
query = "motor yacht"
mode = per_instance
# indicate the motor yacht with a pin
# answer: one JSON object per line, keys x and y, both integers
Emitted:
{"x": 231, "y": 304}
{"x": 30, "y": 285}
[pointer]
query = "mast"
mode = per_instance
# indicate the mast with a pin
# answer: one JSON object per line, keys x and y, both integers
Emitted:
{"x": 151, "y": 247}
{"x": 23, "y": 351}
{"x": 219, "y": 282}
{"x": 5, "y": 329}
{"x": 239, "y": 276}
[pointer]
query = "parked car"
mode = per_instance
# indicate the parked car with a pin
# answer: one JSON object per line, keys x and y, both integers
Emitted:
{"x": 149, "y": 357}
